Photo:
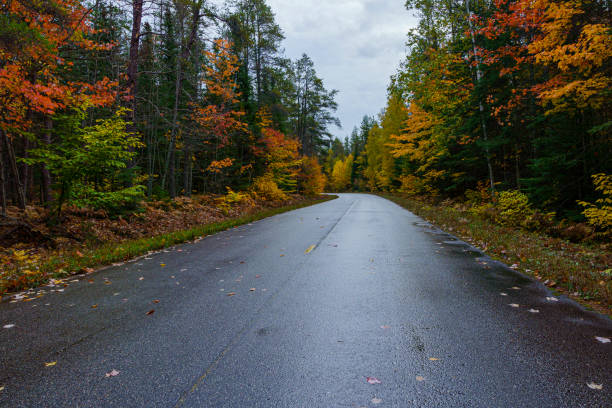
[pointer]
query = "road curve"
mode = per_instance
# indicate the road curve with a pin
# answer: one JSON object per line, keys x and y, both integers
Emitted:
{"x": 354, "y": 302}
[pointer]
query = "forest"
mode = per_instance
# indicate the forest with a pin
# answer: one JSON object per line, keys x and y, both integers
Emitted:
{"x": 497, "y": 101}
{"x": 127, "y": 120}
{"x": 104, "y": 103}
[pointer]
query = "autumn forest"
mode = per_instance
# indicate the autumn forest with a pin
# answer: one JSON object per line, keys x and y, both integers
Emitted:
{"x": 111, "y": 107}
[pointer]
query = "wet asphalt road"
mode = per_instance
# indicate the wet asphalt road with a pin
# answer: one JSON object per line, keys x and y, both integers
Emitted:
{"x": 382, "y": 295}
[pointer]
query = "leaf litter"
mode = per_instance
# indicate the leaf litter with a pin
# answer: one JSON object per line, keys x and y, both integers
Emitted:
{"x": 113, "y": 373}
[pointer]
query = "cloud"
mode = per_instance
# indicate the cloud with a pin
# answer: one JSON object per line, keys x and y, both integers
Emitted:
{"x": 356, "y": 46}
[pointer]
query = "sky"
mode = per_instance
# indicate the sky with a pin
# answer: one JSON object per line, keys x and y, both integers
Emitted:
{"x": 356, "y": 45}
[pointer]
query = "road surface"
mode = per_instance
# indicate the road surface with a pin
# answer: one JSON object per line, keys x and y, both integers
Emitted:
{"x": 351, "y": 303}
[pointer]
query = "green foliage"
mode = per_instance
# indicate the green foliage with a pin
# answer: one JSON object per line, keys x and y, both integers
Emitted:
{"x": 114, "y": 202}
{"x": 88, "y": 163}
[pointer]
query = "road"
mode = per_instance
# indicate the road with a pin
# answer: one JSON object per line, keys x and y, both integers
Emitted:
{"x": 324, "y": 299}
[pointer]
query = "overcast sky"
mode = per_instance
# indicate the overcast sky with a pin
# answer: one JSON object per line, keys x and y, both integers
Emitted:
{"x": 356, "y": 46}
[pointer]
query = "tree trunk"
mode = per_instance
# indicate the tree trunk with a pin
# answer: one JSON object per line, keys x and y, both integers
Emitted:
{"x": 185, "y": 51}
{"x": 2, "y": 180}
{"x": 132, "y": 70}
{"x": 25, "y": 171}
{"x": 483, "y": 123}
{"x": 47, "y": 196}
{"x": 187, "y": 171}
{"x": 19, "y": 192}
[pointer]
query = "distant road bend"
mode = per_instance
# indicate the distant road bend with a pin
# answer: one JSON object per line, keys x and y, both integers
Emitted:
{"x": 355, "y": 302}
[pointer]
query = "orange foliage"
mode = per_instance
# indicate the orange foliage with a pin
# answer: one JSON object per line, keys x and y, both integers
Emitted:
{"x": 576, "y": 44}
{"x": 30, "y": 73}
{"x": 218, "y": 118}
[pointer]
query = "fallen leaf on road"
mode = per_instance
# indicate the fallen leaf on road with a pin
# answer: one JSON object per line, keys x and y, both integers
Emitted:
{"x": 599, "y": 339}
{"x": 433, "y": 359}
{"x": 113, "y": 373}
{"x": 513, "y": 305}
{"x": 94, "y": 306}
{"x": 141, "y": 278}
{"x": 373, "y": 380}
{"x": 156, "y": 301}
{"x": 162, "y": 265}
{"x": 534, "y": 311}
{"x": 282, "y": 255}
{"x": 51, "y": 364}
{"x": 88, "y": 270}
{"x": 8, "y": 326}
{"x": 309, "y": 249}
{"x": 594, "y": 386}
{"x": 242, "y": 262}
{"x": 376, "y": 400}
{"x": 420, "y": 378}
{"x": 107, "y": 282}
{"x": 231, "y": 294}
{"x": 150, "y": 312}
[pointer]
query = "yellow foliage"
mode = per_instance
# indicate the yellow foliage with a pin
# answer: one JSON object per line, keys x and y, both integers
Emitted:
{"x": 421, "y": 143}
{"x": 579, "y": 49}
{"x": 266, "y": 188}
{"x": 600, "y": 214}
{"x": 380, "y": 169}
{"x": 414, "y": 185}
{"x": 341, "y": 174}
{"x": 514, "y": 208}
{"x": 233, "y": 198}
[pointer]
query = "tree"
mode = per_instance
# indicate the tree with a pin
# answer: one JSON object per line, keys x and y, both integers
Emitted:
{"x": 33, "y": 67}
{"x": 86, "y": 162}
{"x": 311, "y": 107}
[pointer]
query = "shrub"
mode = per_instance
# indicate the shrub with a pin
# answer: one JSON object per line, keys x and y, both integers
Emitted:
{"x": 414, "y": 185}
{"x": 233, "y": 198}
{"x": 266, "y": 188}
{"x": 113, "y": 202}
{"x": 89, "y": 163}
{"x": 514, "y": 208}
{"x": 599, "y": 214}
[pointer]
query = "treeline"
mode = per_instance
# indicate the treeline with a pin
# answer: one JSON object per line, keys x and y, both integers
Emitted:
{"x": 105, "y": 102}
{"x": 495, "y": 96}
